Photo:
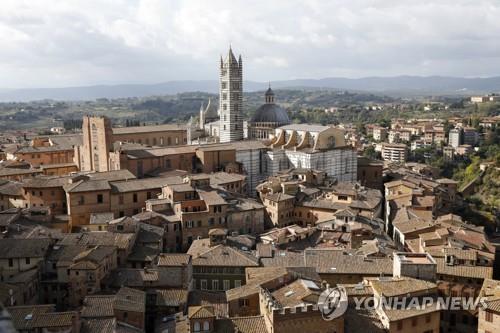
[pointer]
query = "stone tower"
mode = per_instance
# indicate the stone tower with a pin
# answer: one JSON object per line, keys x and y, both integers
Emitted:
{"x": 97, "y": 143}
{"x": 231, "y": 98}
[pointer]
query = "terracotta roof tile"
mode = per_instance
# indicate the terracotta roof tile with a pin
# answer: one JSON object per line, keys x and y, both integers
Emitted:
{"x": 174, "y": 259}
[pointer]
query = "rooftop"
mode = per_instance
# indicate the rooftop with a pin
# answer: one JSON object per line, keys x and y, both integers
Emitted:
{"x": 174, "y": 259}
{"x": 148, "y": 129}
{"x": 24, "y": 248}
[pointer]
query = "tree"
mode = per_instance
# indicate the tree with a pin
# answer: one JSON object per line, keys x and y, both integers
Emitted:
{"x": 371, "y": 153}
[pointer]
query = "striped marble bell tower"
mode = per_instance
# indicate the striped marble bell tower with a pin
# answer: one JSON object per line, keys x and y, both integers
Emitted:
{"x": 231, "y": 98}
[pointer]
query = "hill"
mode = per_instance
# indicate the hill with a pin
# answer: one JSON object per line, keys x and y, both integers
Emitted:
{"x": 394, "y": 86}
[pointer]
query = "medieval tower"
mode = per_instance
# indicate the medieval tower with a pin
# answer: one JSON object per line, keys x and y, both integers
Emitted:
{"x": 231, "y": 98}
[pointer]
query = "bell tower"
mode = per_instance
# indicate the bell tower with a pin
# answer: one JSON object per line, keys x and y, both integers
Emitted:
{"x": 231, "y": 98}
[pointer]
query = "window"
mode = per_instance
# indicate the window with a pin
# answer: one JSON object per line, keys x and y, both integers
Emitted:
{"x": 82, "y": 200}
{"x": 196, "y": 326}
{"x": 99, "y": 198}
{"x": 11, "y": 262}
{"x": 148, "y": 195}
{"x": 243, "y": 302}
{"x": 226, "y": 284}
{"x": 400, "y": 325}
{"x": 215, "y": 284}
{"x": 203, "y": 284}
{"x": 206, "y": 326}
{"x": 28, "y": 261}
{"x": 125, "y": 315}
{"x": 488, "y": 315}
{"x": 121, "y": 213}
{"x": 428, "y": 318}
{"x": 189, "y": 224}
{"x": 134, "y": 197}
{"x": 237, "y": 283}
{"x": 120, "y": 199}
{"x": 414, "y": 322}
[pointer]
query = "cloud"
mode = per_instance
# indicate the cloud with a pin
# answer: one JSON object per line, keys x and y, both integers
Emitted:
{"x": 63, "y": 42}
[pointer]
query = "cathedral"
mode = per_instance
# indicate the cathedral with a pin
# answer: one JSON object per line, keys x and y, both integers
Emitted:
{"x": 268, "y": 143}
{"x": 226, "y": 123}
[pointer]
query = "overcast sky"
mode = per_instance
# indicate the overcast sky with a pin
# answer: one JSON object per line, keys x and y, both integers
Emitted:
{"x": 68, "y": 43}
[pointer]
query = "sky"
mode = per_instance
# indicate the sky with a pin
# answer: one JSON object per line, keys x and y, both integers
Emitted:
{"x": 52, "y": 43}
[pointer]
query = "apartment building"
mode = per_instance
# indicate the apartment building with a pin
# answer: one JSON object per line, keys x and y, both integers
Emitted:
{"x": 218, "y": 267}
{"x": 489, "y": 317}
{"x": 88, "y": 270}
{"x": 470, "y": 136}
{"x": 87, "y": 196}
{"x": 424, "y": 319}
{"x": 379, "y": 133}
{"x": 394, "y": 152}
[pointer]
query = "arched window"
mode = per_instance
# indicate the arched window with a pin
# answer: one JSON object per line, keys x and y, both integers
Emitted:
{"x": 196, "y": 326}
{"x": 206, "y": 326}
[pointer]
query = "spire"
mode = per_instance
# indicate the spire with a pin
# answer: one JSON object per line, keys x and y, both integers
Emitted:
{"x": 230, "y": 57}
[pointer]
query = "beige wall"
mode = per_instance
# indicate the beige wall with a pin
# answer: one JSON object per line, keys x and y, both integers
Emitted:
{"x": 49, "y": 157}
{"x": 488, "y": 326}
{"x": 18, "y": 265}
{"x": 418, "y": 324}
{"x": 51, "y": 197}
{"x": 167, "y": 138}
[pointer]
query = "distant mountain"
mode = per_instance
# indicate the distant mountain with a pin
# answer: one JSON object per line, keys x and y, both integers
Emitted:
{"x": 399, "y": 85}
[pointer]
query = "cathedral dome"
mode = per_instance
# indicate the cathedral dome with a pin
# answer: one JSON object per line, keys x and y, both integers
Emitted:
{"x": 270, "y": 113}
